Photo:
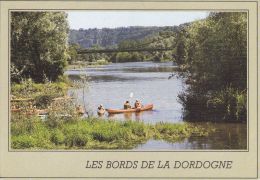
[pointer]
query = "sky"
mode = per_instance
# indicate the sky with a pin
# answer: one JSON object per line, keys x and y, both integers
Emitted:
{"x": 116, "y": 18}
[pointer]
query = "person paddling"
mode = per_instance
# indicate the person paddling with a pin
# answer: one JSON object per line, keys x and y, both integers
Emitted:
{"x": 138, "y": 104}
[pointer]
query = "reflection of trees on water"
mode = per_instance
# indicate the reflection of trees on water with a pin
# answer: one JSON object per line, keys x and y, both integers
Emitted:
{"x": 226, "y": 136}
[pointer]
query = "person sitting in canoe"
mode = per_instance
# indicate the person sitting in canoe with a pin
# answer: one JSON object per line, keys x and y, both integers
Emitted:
{"x": 127, "y": 105}
{"x": 138, "y": 104}
{"x": 101, "y": 110}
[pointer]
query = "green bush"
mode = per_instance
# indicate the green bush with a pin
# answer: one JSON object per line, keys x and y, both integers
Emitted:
{"x": 57, "y": 137}
{"x": 228, "y": 104}
{"x": 241, "y": 108}
{"x": 194, "y": 106}
{"x": 102, "y": 62}
{"x": 76, "y": 139}
{"x": 23, "y": 142}
{"x": 22, "y": 124}
{"x": 76, "y": 134}
{"x": 43, "y": 138}
{"x": 29, "y": 132}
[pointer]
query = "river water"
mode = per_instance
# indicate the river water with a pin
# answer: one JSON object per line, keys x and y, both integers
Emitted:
{"x": 111, "y": 85}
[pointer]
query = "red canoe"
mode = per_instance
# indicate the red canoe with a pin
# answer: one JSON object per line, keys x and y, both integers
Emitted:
{"x": 117, "y": 111}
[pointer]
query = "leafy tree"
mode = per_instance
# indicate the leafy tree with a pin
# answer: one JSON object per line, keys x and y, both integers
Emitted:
{"x": 215, "y": 62}
{"x": 72, "y": 51}
{"x": 39, "y": 44}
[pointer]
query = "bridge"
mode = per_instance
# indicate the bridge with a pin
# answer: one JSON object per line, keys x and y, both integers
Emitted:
{"x": 92, "y": 51}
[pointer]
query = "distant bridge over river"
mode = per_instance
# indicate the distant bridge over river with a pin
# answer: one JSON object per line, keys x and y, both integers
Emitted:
{"x": 95, "y": 51}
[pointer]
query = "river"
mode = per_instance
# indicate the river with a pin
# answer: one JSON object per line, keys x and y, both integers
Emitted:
{"x": 113, "y": 84}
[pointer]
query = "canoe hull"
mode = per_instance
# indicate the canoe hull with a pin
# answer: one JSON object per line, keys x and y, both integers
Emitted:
{"x": 118, "y": 111}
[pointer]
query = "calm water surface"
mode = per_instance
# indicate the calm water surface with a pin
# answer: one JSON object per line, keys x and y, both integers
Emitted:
{"x": 111, "y": 85}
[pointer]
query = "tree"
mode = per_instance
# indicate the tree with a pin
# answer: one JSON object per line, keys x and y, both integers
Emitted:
{"x": 73, "y": 55}
{"x": 215, "y": 57}
{"x": 39, "y": 44}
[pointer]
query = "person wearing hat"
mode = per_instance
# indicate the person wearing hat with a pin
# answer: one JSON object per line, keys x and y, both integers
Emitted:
{"x": 127, "y": 105}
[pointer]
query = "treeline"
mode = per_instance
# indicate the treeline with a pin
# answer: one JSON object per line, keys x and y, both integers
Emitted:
{"x": 212, "y": 55}
{"x": 38, "y": 45}
{"x": 163, "y": 39}
{"x": 107, "y": 37}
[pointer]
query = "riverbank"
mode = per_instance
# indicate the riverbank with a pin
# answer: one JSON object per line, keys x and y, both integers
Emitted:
{"x": 94, "y": 133}
{"x": 83, "y": 65}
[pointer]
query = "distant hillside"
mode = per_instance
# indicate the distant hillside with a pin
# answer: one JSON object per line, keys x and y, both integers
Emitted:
{"x": 106, "y": 37}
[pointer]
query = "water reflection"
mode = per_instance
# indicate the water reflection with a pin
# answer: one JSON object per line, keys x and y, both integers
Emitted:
{"x": 227, "y": 136}
{"x": 111, "y": 86}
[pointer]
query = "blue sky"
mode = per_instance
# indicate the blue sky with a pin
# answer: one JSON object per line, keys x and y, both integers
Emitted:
{"x": 122, "y": 18}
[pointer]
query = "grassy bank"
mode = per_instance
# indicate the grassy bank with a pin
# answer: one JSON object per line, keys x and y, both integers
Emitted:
{"x": 94, "y": 133}
{"x": 30, "y": 89}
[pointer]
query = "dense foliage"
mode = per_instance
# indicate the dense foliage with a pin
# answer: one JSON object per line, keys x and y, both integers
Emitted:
{"x": 213, "y": 56}
{"x": 38, "y": 45}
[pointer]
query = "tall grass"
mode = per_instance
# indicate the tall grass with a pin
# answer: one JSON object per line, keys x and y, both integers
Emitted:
{"x": 93, "y": 133}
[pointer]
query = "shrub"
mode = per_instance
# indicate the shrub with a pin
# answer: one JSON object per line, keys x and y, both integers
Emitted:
{"x": 102, "y": 62}
{"x": 194, "y": 105}
{"x": 29, "y": 132}
{"x": 22, "y": 124}
{"x": 57, "y": 137}
{"x": 43, "y": 138}
{"x": 76, "y": 134}
{"x": 23, "y": 142}
{"x": 241, "y": 109}
{"x": 228, "y": 104}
